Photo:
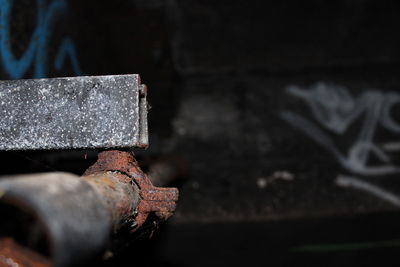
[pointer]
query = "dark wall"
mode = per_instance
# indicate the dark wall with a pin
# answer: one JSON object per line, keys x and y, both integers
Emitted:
{"x": 274, "y": 111}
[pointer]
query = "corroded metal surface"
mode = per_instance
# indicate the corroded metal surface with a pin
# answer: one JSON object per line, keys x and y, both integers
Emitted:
{"x": 76, "y": 215}
{"x": 119, "y": 195}
{"x": 14, "y": 255}
{"x": 72, "y": 214}
{"x": 160, "y": 200}
{"x": 73, "y": 112}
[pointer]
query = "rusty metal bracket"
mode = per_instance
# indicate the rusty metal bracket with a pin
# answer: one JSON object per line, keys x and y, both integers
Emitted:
{"x": 160, "y": 200}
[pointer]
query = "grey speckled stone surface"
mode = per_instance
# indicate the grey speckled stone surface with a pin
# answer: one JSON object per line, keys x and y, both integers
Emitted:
{"x": 76, "y": 112}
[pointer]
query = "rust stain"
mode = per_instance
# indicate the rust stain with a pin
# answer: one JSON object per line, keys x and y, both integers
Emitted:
{"x": 14, "y": 255}
{"x": 160, "y": 200}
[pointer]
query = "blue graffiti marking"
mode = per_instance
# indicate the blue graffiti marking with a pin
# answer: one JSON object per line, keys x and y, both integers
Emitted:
{"x": 36, "y": 53}
{"x": 67, "y": 48}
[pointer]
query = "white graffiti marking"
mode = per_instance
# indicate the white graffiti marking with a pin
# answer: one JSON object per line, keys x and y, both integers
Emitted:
{"x": 336, "y": 110}
{"x": 346, "y": 181}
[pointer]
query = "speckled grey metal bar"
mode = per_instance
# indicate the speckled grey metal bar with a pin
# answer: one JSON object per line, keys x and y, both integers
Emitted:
{"x": 73, "y": 112}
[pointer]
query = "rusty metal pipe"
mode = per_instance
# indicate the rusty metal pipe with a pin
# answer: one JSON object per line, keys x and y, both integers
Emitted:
{"x": 74, "y": 215}
{"x": 12, "y": 254}
{"x": 69, "y": 219}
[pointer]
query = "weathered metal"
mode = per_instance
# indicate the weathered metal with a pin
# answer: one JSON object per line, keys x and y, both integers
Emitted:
{"x": 14, "y": 255}
{"x": 77, "y": 215}
{"x": 73, "y": 215}
{"x": 160, "y": 200}
{"x": 119, "y": 195}
{"x": 73, "y": 112}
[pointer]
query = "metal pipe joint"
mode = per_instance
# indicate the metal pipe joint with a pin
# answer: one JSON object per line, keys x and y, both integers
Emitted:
{"x": 70, "y": 219}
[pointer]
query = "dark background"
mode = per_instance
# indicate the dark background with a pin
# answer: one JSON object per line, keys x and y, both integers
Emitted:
{"x": 255, "y": 190}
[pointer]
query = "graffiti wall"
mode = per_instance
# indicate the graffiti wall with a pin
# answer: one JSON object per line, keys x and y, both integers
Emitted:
{"x": 270, "y": 114}
{"x": 334, "y": 110}
{"x": 277, "y": 111}
{"x": 48, "y": 38}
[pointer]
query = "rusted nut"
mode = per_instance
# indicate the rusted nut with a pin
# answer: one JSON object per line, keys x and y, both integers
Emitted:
{"x": 160, "y": 200}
